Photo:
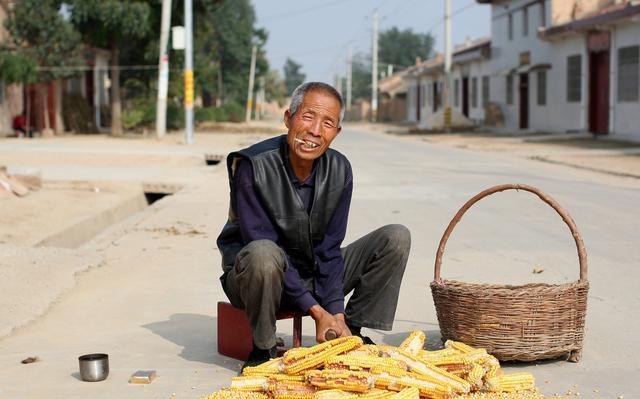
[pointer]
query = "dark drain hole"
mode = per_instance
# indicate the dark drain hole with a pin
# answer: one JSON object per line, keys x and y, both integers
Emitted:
{"x": 213, "y": 159}
{"x": 154, "y": 196}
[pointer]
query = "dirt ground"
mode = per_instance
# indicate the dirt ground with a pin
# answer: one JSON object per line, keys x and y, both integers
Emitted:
{"x": 93, "y": 181}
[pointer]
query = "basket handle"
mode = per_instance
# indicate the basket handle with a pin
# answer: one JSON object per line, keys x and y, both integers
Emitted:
{"x": 582, "y": 254}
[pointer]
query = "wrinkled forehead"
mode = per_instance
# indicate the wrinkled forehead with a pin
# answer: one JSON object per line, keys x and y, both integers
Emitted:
{"x": 321, "y": 99}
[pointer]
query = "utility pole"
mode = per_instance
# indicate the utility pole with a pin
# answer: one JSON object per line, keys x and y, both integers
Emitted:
{"x": 252, "y": 72}
{"x": 349, "y": 71}
{"x": 188, "y": 72}
{"x": 163, "y": 71}
{"x": 447, "y": 65}
{"x": 374, "y": 70}
{"x": 260, "y": 98}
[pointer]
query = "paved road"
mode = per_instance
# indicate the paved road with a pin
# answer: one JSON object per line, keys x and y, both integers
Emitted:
{"x": 151, "y": 304}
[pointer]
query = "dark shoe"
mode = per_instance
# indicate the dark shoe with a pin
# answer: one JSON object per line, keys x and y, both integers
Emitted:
{"x": 365, "y": 339}
{"x": 357, "y": 332}
{"x": 259, "y": 356}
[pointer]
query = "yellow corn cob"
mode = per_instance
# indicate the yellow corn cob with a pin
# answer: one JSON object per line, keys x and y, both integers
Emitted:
{"x": 504, "y": 395}
{"x": 235, "y": 394}
{"x": 434, "y": 355}
{"x": 249, "y": 383}
{"x": 460, "y": 346}
{"x": 475, "y": 376}
{"x": 366, "y": 350}
{"x": 433, "y": 373}
{"x": 513, "y": 382}
{"x": 407, "y": 393}
{"x": 298, "y": 361}
{"x": 493, "y": 371}
{"x": 335, "y": 394}
{"x": 361, "y": 362}
{"x": 291, "y": 390}
{"x": 414, "y": 342}
{"x": 347, "y": 380}
{"x": 273, "y": 366}
{"x": 385, "y": 377}
{"x": 274, "y": 378}
{"x": 426, "y": 387}
{"x": 456, "y": 364}
{"x": 376, "y": 393}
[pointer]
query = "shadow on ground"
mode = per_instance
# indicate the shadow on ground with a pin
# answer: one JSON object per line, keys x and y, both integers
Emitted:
{"x": 197, "y": 334}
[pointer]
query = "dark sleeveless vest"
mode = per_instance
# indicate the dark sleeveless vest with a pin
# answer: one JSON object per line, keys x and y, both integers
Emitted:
{"x": 298, "y": 230}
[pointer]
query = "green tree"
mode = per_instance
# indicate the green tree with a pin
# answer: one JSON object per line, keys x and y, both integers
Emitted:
{"x": 107, "y": 24}
{"x": 293, "y": 76}
{"x": 234, "y": 33}
{"x": 361, "y": 76}
{"x": 401, "y": 47}
{"x": 41, "y": 45}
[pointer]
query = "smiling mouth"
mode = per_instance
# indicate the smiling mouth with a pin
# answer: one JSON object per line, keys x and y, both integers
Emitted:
{"x": 307, "y": 143}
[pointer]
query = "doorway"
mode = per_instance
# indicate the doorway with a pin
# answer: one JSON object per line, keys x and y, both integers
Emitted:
{"x": 524, "y": 100}
{"x": 465, "y": 96}
{"x": 599, "y": 92}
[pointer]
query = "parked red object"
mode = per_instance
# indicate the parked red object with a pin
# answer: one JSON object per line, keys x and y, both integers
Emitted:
{"x": 20, "y": 125}
{"x": 234, "y": 331}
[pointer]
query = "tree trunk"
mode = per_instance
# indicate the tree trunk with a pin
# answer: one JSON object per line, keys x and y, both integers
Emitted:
{"x": 44, "y": 93}
{"x": 58, "y": 107}
{"x": 116, "y": 108}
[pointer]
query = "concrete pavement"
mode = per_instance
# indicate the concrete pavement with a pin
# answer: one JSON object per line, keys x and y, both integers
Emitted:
{"x": 150, "y": 302}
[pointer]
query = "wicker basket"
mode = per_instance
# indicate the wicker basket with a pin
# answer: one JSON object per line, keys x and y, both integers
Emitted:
{"x": 524, "y": 322}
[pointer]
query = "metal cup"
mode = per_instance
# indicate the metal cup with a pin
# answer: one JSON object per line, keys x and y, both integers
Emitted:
{"x": 94, "y": 367}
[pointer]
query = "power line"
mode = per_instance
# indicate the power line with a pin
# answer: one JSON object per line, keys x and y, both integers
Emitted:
{"x": 303, "y": 11}
{"x": 91, "y": 68}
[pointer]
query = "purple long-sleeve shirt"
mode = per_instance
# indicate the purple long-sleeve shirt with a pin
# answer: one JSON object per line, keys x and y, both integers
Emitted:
{"x": 255, "y": 224}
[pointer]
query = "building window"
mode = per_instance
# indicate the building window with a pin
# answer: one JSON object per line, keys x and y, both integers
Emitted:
{"x": 510, "y": 89}
{"x": 574, "y": 78}
{"x": 525, "y": 21}
{"x": 628, "y": 79}
{"x": 510, "y": 26}
{"x": 474, "y": 92}
{"x": 456, "y": 96}
{"x": 542, "y": 87}
{"x": 543, "y": 13}
{"x": 485, "y": 91}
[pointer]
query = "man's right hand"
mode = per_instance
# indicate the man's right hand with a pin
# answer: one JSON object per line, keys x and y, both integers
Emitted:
{"x": 326, "y": 321}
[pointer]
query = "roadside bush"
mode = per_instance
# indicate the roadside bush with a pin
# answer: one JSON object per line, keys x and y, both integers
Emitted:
{"x": 139, "y": 114}
{"x": 207, "y": 114}
{"x": 233, "y": 112}
{"x": 175, "y": 116}
{"x": 229, "y": 112}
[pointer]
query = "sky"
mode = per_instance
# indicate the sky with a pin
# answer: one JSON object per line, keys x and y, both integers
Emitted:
{"x": 318, "y": 33}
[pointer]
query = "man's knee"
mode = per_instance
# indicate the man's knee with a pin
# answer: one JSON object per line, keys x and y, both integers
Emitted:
{"x": 397, "y": 238}
{"x": 261, "y": 257}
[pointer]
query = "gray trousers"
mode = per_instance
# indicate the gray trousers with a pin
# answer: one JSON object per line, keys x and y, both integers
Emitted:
{"x": 374, "y": 266}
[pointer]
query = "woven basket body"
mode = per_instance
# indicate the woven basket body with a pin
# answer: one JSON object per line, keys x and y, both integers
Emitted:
{"x": 514, "y": 322}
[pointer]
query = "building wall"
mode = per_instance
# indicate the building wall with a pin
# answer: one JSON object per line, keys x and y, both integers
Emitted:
{"x": 567, "y": 10}
{"x": 473, "y": 69}
{"x": 624, "y": 119}
{"x": 558, "y": 114}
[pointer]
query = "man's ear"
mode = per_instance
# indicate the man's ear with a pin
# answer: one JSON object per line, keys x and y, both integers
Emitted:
{"x": 287, "y": 118}
{"x": 339, "y": 130}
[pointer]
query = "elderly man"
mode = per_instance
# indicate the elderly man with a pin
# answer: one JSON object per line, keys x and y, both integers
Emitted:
{"x": 290, "y": 198}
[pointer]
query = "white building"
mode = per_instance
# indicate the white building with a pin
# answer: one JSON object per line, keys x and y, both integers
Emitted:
{"x": 470, "y": 70}
{"x": 470, "y": 77}
{"x": 567, "y": 65}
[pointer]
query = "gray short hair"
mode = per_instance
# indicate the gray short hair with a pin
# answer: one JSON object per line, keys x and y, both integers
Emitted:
{"x": 303, "y": 89}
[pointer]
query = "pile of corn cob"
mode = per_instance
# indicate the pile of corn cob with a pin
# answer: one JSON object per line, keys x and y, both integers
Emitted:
{"x": 344, "y": 368}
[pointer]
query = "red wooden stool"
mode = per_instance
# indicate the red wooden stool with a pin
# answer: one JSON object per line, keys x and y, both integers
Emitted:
{"x": 234, "y": 332}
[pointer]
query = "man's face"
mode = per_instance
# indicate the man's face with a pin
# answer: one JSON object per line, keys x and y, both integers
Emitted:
{"x": 313, "y": 127}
